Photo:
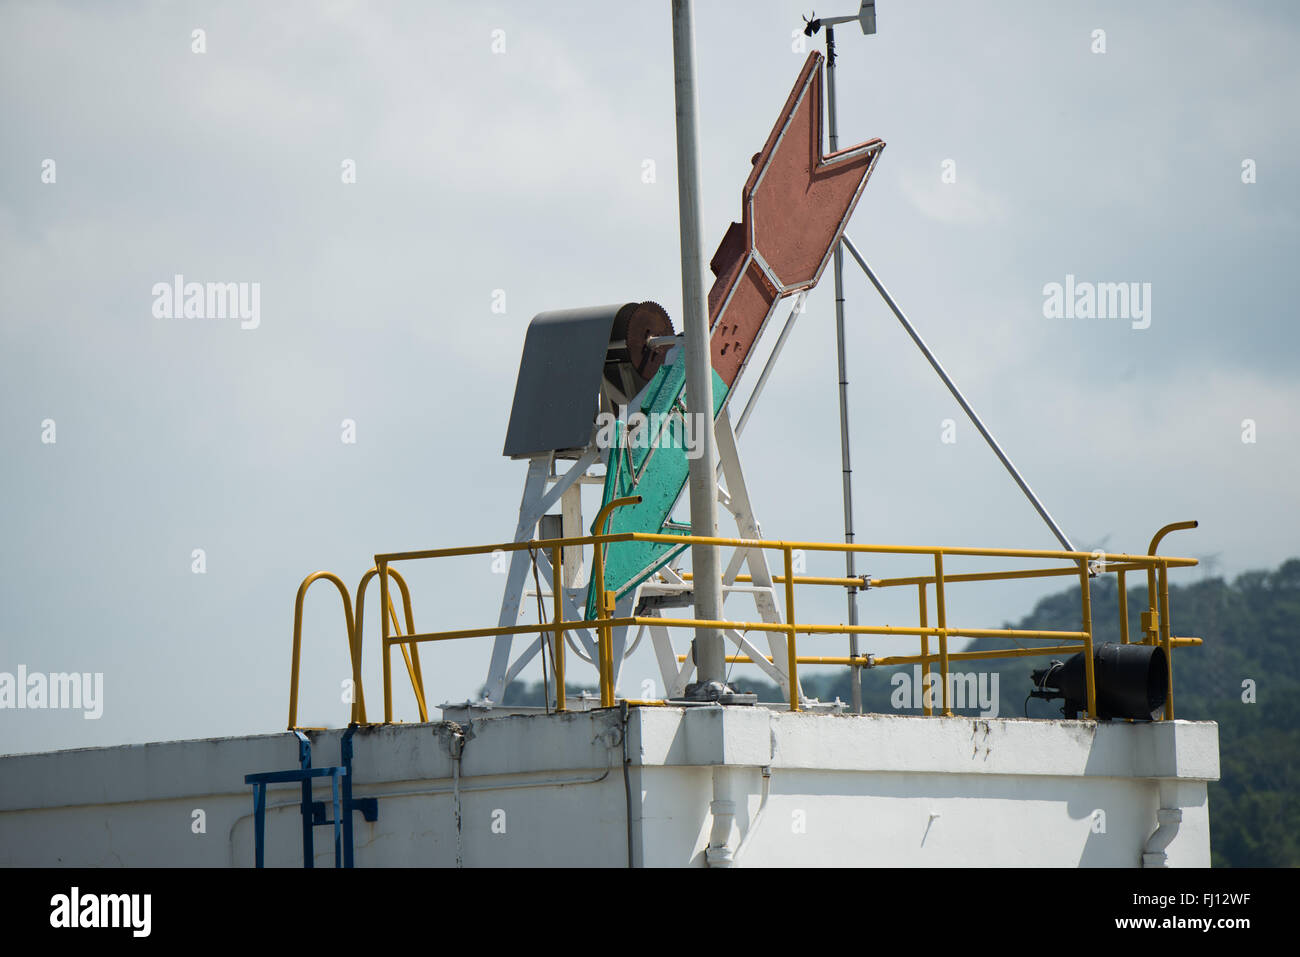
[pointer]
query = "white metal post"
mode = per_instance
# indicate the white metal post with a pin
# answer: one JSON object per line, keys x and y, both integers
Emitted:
{"x": 705, "y": 560}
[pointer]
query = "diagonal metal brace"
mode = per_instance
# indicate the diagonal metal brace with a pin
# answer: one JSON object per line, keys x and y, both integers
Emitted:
{"x": 961, "y": 399}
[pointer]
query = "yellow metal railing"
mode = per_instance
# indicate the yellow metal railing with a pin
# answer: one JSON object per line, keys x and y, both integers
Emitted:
{"x": 1085, "y": 565}
{"x": 354, "y": 629}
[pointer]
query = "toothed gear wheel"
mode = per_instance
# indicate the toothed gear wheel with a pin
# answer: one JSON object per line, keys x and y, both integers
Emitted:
{"x": 637, "y": 323}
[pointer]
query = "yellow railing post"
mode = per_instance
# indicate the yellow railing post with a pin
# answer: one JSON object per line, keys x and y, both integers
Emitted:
{"x": 1088, "y": 676}
{"x": 1166, "y": 633}
{"x": 383, "y": 643}
{"x": 605, "y": 604}
{"x": 604, "y": 638}
{"x": 358, "y": 713}
{"x": 598, "y": 579}
{"x": 1162, "y": 615}
{"x": 411, "y": 657}
{"x": 1123, "y": 607}
{"x": 792, "y": 658}
{"x": 942, "y": 610}
{"x": 557, "y": 597}
{"x": 927, "y": 707}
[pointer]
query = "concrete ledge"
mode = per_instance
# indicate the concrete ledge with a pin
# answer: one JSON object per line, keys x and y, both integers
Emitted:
{"x": 756, "y": 737}
{"x": 683, "y": 737}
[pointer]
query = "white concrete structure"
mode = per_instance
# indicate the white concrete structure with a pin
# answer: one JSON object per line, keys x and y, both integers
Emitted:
{"x": 671, "y": 787}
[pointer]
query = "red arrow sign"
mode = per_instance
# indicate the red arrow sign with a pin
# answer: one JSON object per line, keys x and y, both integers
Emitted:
{"x": 795, "y": 204}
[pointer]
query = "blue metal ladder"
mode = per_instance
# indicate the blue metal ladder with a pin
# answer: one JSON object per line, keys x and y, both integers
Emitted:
{"x": 313, "y": 812}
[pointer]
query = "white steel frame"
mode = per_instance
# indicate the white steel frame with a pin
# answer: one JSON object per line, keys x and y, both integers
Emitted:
{"x": 543, "y": 488}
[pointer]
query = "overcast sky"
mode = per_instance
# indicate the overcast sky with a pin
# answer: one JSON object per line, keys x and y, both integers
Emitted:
{"x": 522, "y": 169}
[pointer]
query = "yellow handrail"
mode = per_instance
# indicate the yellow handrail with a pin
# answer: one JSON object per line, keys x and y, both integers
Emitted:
{"x": 604, "y": 602}
{"x": 354, "y": 630}
{"x": 1161, "y": 613}
{"x": 412, "y": 668}
{"x": 792, "y": 659}
{"x": 1143, "y": 561}
{"x": 1156, "y": 621}
{"x": 557, "y": 615}
{"x": 297, "y": 633}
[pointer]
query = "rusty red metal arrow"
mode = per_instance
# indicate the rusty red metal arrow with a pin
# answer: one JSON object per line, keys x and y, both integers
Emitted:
{"x": 795, "y": 206}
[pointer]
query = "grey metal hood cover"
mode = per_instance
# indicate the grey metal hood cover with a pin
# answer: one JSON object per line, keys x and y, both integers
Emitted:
{"x": 558, "y": 387}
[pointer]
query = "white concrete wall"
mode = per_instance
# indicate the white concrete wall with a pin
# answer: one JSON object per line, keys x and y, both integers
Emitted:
{"x": 549, "y": 790}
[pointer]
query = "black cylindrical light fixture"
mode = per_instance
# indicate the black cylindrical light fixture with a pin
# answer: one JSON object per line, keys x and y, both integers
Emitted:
{"x": 1132, "y": 681}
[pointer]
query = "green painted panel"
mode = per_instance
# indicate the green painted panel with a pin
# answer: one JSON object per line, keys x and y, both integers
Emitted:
{"x": 655, "y": 466}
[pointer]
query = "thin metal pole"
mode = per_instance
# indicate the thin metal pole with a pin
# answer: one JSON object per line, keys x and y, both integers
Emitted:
{"x": 846, "y": 465}
{"x": 705, "y": 559}
{"x": 952, "y": 387}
